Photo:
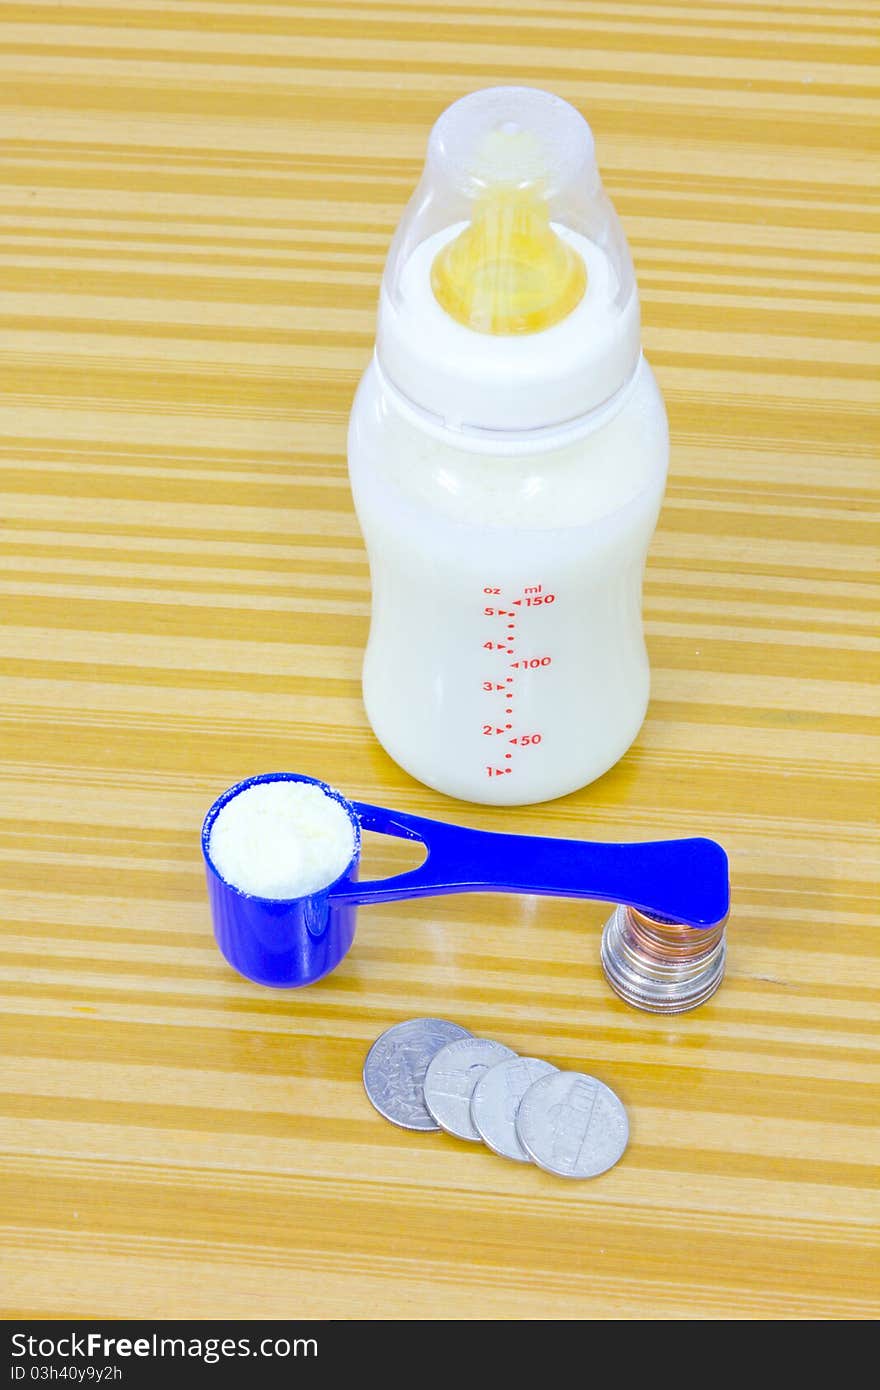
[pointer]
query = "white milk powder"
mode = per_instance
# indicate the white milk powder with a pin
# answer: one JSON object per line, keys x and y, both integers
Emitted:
{"x": 281, "y": 839}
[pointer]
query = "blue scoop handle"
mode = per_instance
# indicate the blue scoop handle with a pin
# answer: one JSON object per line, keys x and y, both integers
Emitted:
{"x": 683, "y": 880}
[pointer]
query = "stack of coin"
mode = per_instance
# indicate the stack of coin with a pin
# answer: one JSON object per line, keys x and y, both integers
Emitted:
{"x": 428, "y": 1074}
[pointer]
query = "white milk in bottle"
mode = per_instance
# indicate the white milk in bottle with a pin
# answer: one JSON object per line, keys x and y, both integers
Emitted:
{"x": 508, "y": 451}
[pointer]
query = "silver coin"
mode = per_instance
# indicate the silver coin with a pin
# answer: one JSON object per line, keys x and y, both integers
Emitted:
{"x": 451, "y": 1078}
{"x": 395, "y": 1066}
{"x": 496, "y": 1099}
{"x": 572, "y": 1125}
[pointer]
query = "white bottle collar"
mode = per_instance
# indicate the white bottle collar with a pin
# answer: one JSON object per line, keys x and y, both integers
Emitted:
{"x": 505, "y": 442}
{"x": 478, "y": 381}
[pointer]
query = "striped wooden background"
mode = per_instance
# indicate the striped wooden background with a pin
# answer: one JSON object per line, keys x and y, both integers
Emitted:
{"x": 195, "y": 200}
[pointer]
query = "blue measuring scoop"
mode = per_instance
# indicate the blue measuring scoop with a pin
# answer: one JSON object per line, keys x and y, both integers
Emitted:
{"x": 285, "y": 942}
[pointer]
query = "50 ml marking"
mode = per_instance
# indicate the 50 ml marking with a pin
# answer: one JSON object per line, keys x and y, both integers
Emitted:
{"x": 500, "y": 688}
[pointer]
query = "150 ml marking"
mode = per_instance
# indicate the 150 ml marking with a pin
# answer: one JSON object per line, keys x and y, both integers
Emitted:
{"x": 505, "y": 666}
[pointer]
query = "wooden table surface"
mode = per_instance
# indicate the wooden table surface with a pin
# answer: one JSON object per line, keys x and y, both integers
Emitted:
{"x": 195, "y": 201}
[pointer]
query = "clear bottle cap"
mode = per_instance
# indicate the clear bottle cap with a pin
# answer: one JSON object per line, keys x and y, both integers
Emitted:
{"x": 505, "y": 138}
{"x": 509, "y": 296}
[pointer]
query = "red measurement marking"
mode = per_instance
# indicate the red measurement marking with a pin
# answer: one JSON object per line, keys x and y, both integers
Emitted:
{"x": 533, "y": 588}
{"x": 517, "y": 600}
{"x": 541, "y": 598}
{"x": 531, "y": 663}
{"x": 508, "y": 755}
{"x": 491, "y": 591}
{"x": 525, "y": 739}
{"x": 508, "y": 711}
{"x": 497, "y": 771}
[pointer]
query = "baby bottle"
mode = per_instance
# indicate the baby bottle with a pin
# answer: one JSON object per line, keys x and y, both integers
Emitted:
{"x": 508, "y": 449}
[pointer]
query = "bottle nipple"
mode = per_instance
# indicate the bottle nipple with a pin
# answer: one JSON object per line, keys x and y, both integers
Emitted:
{"x": 508, "y": 271}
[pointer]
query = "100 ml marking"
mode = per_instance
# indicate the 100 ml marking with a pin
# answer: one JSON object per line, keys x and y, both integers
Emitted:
{"x": 500, "y": 642}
